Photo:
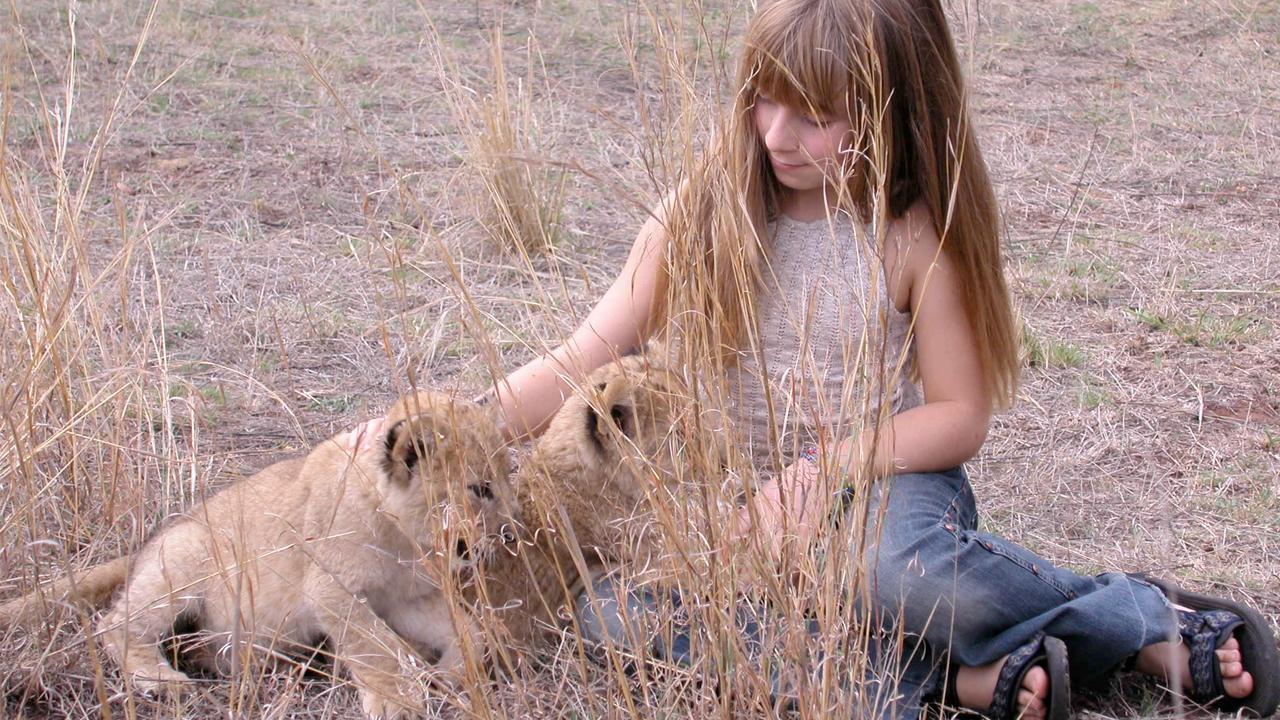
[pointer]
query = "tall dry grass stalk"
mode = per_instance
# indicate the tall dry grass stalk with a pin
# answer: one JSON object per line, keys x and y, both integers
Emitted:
{"x": 505, "y": 147}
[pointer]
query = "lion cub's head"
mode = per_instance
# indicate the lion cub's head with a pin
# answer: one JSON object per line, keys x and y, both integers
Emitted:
{"x": 447, "y": 473}
{"x": 613, "y": 449}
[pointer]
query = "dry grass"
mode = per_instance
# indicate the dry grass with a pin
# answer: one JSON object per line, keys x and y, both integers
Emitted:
{"x": 524, "y": 200}
{"x": 211, "y": 259}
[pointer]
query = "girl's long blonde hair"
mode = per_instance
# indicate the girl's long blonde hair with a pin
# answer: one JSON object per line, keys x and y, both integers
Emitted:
{"x": 891, "y": 66}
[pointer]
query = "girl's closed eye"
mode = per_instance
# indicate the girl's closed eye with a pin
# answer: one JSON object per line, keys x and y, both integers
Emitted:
{"x": 813, "y": 120}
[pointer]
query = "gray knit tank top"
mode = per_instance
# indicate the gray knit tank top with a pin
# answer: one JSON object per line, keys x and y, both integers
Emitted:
{"x": 832, "y": 348}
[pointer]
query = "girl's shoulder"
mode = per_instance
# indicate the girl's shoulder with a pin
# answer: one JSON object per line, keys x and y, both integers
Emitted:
{"x": 911, "y": 250}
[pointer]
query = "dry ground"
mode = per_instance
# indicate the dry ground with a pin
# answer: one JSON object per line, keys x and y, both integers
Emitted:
{"x": 257, "y": 253}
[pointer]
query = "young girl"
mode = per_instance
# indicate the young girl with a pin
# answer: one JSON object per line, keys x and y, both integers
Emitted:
{"x": 844, "y": 219}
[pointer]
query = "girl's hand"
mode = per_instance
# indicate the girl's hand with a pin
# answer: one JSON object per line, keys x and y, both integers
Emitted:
{"x": 793, "y": 522}
{"x": 364, "y": 439}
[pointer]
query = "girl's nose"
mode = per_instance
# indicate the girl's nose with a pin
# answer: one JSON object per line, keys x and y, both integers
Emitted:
{"x": 780, "y": 134}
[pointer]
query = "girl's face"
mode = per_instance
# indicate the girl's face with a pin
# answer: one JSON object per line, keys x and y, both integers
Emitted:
{"x": 804, "y": 150}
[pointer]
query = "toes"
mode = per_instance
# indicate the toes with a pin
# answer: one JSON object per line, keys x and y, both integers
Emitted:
{"x": 1230, "y": 663}
{"x": 1036, "y": 682}
{"x": 1030, "y": 707}
{"x": 1238, "y": 686}
{"x": 1235, "y": 680}
{"x": 1034, "y": 692}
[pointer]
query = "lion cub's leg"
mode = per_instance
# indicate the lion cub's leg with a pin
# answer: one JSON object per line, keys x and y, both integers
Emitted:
{"x": 369, "y": 649}
{"x": 132, "y": 631}
{"x": 431, "y": 624}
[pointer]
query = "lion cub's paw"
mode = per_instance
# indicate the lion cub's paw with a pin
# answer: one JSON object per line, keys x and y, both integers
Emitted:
{"x": 378, "y": 706}
{"x": 159, "y": 680}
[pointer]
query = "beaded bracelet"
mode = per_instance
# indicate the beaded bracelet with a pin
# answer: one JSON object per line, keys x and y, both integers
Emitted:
{"x": 809, "y": 452}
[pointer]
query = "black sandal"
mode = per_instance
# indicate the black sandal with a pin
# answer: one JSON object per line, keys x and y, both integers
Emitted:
{"x": 1043, "y": 650}
{"x": 1205, "y": 622}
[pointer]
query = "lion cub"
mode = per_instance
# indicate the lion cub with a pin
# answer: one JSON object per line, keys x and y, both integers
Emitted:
{"x": 324, "y": 548}
{"x": 586, "y": 494}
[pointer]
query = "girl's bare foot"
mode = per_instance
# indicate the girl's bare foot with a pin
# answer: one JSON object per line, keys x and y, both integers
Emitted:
{"x": 975, "y": 686}
{"x": 1172, "y": 661}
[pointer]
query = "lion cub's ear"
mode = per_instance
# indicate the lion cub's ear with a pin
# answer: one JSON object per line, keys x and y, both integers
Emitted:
{"x": 408, "y": 441}
{"x": 618, "y": 396}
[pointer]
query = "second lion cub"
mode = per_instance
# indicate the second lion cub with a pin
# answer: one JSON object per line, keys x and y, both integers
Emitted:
{"x": 588, "y": 491}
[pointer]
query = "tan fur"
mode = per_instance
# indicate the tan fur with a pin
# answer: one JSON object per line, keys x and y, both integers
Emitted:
{"x": 83, "y": 590}
{"x": 325, "y": 548}
{"x": 585, "y": 494}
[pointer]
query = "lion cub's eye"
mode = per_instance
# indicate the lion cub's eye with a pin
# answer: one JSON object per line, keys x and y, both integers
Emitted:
{"x": 481, "y": 491}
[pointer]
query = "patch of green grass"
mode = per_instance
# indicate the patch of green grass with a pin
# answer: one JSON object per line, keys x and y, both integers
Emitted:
{"x": 215, "y": 403}
{"x": 1152, "y": 320}
{"x": 1265, "y": 505}
{"x": 175, "y": 333}
{"x": 1050, "y": 353}
{"x": 1202, "y": 238}
{"x": 350, "y": 246}
{"x": 242, "y": 9}
{"x": 1216, "y": 332}
{"x": 340, "y": 403}
{"x": 1205, "y": 329}
{"x": 1213, "y": 480}
{"x": 1089, "y": 279}
{"x": 1064, "y": 354}
{"x": 1093, "y": 268}
{"x": 327, "y": 323}
{"x": 268, "y": 361}
{"x": 214, "y": 394}
{"x": 1270, "y": 441}
{"x": 1091, "y": 395}
{"x": 405, "y": 274}
{"x": 1243, "y": 490}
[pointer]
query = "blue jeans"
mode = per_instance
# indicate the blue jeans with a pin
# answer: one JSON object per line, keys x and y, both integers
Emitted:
{"x": 971, "y": 597}
{"x": 981, "y": 596}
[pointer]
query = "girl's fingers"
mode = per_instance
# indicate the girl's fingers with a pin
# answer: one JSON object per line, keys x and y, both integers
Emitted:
{"x": 363, "y": 436}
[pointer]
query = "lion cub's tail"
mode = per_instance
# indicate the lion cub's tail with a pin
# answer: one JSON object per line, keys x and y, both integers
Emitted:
{"x": 88, "y": 590}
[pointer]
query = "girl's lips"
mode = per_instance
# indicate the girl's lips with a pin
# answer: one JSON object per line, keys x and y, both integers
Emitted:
{"x": 785, "y": 165}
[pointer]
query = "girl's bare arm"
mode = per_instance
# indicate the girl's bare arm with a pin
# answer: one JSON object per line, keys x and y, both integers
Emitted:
{"x": 532, "y": 394}
{"x": 951, "y": 425}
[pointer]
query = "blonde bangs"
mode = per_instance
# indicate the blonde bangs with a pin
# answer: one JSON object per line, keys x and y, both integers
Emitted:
{"x": 803, "y": 59}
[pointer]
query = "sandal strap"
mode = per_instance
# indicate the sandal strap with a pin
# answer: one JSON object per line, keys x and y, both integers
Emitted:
{"x": 1004, "y": 699}
{"x": 1204, "y": 632}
